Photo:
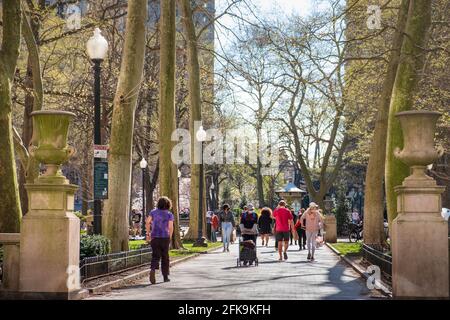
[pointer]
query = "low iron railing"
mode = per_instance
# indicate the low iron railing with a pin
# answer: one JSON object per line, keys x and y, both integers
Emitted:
{"x": 378, "y": 258}
{"x": 95, "y": 267}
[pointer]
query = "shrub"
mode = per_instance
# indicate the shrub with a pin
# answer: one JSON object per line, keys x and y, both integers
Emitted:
{"x": 80, "y": 216}
{"x": 94, "y": 245}
{"x": 341, "y": 214}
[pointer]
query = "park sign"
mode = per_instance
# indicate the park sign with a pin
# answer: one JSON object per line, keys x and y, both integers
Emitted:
{"x": 100, "y": 180}
{"x": 101, "y": 151}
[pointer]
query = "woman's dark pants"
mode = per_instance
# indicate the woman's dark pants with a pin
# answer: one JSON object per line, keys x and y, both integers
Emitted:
{"x": 301, "y": 237}
{"x": 160, "y": 251}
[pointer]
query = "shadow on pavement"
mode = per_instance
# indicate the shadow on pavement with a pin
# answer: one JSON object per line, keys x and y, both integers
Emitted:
{"x": 347, "y": 289}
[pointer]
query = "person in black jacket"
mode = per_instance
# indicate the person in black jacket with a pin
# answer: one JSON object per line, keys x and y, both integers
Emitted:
{"x": 265, "y": 222}
{"x": 295, "y": 220}
{"x": 249, "y": 219}
{"x": 300, "y": 227}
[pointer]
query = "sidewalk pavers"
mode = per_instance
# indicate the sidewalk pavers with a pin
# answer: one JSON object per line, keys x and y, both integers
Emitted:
{"x": 216, "y": 276}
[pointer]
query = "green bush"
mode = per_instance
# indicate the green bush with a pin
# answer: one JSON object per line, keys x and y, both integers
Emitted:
{"x": 341, "y": 213}
{"x": 80, "y": 216}
{"x": 94, "y": 245}
{"x": 237, "y": 212}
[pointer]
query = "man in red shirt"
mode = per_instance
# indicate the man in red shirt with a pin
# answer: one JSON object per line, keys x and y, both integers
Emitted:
{"x": 284, "y": 223}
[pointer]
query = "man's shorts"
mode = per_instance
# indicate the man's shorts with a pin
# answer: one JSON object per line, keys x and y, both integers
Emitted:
{"x": 282, "y": 236}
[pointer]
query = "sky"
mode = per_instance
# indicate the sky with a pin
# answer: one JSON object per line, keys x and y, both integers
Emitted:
{"x": 302, "y": 7}
{"x": 266, "y": 9}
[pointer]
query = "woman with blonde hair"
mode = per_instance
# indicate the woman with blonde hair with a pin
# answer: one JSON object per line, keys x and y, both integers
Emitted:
{"x": 312, "y": 220}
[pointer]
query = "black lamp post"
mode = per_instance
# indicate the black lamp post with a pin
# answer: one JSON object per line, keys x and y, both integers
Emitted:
{"x": 201, "y": 137}
{"x": 97, "y": 47}
{"x": 143, "y": 164}
{"x": 179, "y": 200}
{"x": 213, "y": 198}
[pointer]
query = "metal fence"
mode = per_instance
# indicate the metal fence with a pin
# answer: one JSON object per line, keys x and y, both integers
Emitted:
{"x": 95, "y": 267}
{"x": 378, "y": 258}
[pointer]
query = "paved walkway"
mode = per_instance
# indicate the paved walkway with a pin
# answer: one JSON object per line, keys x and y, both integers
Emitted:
{"x": 216, "y": 276}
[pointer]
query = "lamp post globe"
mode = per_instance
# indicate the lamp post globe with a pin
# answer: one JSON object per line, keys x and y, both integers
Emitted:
{"x": 143, "y": 163}
{"x": 97, "y": 46}
{"x": 201, "y": 134}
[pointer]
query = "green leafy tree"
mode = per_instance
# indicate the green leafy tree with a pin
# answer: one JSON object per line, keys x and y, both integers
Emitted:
{"x": 405, "y": 85}
{"x": 10, "y": 211}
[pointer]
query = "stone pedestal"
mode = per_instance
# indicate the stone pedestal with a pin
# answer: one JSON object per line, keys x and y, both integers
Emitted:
{"x": 420, "y": 241}
{"x": 11, "y": 260}
{"x": 50, "y": 243}
{"x": 330, "y": 228}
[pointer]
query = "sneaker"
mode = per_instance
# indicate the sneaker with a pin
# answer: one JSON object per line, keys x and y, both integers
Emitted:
{"x": 224, "y": 249}
{"x": 166, "y": 279}
{"x": 152, "y": 277}
{"x": 304, "y": 247}
{"x": 262, "y": 243}
{"x": 309, "y": 256}
{"x": 299, "y": 248}
{"x": 228, "y": 249}
{"x": 312, "y": 258}
{"x": 285, "y": 256}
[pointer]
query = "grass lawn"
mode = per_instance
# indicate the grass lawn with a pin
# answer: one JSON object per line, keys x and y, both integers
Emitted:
{"x": 135, "y": 244}
{"x": 346, "y": 248}
{"x": 189, "y": 249}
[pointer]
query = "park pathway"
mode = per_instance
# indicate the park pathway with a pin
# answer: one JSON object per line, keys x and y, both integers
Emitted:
{"x": 216, "y": 276}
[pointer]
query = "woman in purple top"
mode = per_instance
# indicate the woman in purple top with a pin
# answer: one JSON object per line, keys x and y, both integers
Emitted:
{"x": 159, "y": 226}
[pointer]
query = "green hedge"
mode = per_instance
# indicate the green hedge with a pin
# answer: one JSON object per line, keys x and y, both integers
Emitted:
{"x": 94, "y": 245}
{"x": 80, "y": 216}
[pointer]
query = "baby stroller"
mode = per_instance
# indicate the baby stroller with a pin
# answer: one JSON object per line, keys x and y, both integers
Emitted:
{"x": 247, "y": 253}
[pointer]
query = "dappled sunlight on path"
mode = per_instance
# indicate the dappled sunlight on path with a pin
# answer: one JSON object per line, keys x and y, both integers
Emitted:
{"x": 216, "y": 276}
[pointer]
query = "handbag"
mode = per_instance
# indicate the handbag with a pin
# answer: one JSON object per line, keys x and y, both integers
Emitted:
{"x": 252, "y": 231}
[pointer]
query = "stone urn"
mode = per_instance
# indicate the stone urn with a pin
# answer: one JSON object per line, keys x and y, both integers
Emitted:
{"x": 52, "y": 150}
{"x": 418, "y": 128}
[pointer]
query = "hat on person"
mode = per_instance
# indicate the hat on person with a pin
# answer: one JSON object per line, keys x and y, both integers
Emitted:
{"x": 250, "y": 206}
{"x": 313, "y": 205}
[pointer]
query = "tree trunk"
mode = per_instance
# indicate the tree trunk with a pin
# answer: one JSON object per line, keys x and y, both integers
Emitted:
{"x": 10, "y": 211}
{"x": 259, "y": 177}
{"x": 116, "y": 209}
{"x": 27, "y": 131}
{"x": 196, "y": 115}
{"x": 33, "y": 102}
{"x": 168, "y": 171}
{"x": 374, "y": 191}
{"x": 407, "y": 77}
